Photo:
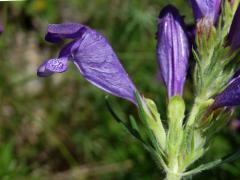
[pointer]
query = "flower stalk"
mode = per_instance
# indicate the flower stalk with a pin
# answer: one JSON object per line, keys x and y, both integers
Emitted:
{"x": 173, "y": 176}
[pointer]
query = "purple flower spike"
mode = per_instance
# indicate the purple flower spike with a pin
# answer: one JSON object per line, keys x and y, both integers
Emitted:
{"x": 231, "y": 95}
{"x": 206, "y": 8}
{"x": 234, "y": 34}
{"x": 93, "y": 56}
{"x": 172, "y": 50}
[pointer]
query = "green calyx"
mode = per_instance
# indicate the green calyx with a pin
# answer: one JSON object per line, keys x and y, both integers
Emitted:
{"x": 151, "y": 119}
{"x": 176, "y": 113}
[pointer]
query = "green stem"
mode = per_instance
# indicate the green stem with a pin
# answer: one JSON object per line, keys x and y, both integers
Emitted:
{"x": 173, "y": 176}
{"x": 193, "y": 114}
{"x": 173, "y": 171}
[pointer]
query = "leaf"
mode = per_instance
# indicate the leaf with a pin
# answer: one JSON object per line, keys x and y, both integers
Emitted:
{"x": 133, "y": 131}
{"x": 213, "y": 164}
{"x": 133, "y": 123}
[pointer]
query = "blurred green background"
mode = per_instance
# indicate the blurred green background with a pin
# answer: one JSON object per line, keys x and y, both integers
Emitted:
{"x": 59, "y": 127}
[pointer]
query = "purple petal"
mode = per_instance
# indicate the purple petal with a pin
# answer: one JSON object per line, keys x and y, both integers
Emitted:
{"x": 98, "y": 63}
{"x": 58, "y": 65}
{"x": 94, "y": 58}
{"x": 51, "y": 66}
{"x": 230, "y": 96}
{"x": 172, "y": 50}
{"x": 235, "y": 76}
{"x": 206, "y": 8}
{"x": 58, "y": 32}
{"x": 67, "y": 50}
{"x": 1, "y": 28}
{"x": 234, "y": 34}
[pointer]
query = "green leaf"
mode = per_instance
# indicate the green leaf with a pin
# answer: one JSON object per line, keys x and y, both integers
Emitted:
{"x": 135, "y": 132}
{"x": 133, "y": 123}
{"x": 213, "y": 164}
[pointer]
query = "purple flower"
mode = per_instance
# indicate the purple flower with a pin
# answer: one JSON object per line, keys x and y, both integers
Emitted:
{"x": 1, "y": 28}
{"x": 234, "y": 34}
{"x": 172, "y": 50}
{"x": 230, "y": 95}
{"x": 206, "y": 8}
{"x": 94, "y": 57}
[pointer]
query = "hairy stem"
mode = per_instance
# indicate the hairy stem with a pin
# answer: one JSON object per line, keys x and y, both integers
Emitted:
{"x": 193, "y": 114}
{"x": 173, "y": 176}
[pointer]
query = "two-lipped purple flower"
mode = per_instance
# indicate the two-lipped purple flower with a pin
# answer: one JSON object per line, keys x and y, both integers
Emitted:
{"x": 95, "y": 59}
{"x": 97, "y": 62}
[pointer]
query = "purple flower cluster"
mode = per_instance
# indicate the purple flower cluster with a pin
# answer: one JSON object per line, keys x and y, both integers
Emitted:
{"x": 97, "y": 62}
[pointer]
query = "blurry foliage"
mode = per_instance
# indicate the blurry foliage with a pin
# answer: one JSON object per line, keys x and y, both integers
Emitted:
{"x": 53, "y": 125}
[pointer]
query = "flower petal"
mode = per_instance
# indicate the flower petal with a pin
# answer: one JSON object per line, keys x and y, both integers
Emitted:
{"x": 57, "y": 32}
{"x": 206, "y": 8}
{"x": 51, "y": 66}
{"x": 98, "y": 63}
{"x": 172, "y": 50}
{"x": 230, "y": 96}
{"x": 66, "y": 50}
{"x": 234, "y": 34}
